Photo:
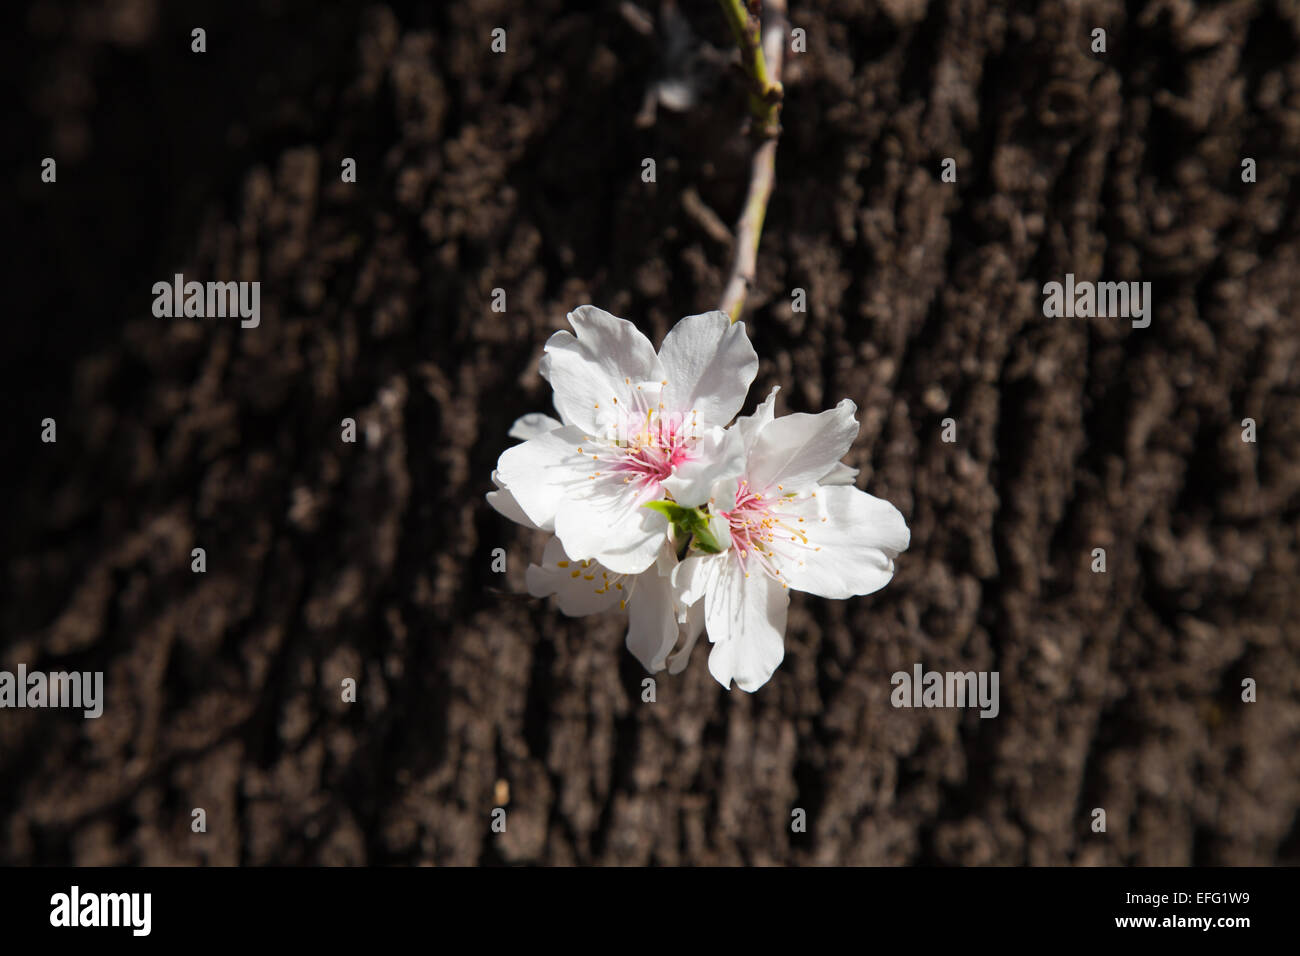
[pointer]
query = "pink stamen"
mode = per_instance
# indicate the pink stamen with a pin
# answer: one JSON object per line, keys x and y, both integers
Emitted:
{"x": 758, "y": 534}
{"x": 645, "y": 450}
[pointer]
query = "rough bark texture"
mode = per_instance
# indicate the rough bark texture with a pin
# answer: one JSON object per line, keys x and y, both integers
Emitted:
{"x": 522, "y": 171}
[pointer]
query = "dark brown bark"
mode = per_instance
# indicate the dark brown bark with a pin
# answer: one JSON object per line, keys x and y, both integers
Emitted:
{"x": 522, "y": 172}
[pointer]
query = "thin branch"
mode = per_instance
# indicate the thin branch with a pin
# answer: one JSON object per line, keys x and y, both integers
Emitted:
{"x": 745, "y": 257}
{"x": 705, "y": 218}
{"x": 762, "y": 65}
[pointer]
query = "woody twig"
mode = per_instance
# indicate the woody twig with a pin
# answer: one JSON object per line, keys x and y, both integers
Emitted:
{"x": 761, "y": 43}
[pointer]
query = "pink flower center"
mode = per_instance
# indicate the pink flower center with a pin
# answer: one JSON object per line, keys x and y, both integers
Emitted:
{"x": 643, "y": 449}
{"x": 653, "y": 455}
{"x": 759, "y": 533}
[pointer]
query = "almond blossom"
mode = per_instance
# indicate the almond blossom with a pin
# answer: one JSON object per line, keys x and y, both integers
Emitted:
{"x": 635, "y": 427}
{"x": 793, "y": 520}
{"x": 661, "y": 508}
{"x": 586, "y": 587}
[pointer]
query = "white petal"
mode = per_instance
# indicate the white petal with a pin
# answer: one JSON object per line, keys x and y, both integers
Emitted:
{"x": 745, "y": 615}
{"x": 543, "y": 471}
{"x": 840, "y": 474}
{"x": 719, "y": 454}
{"x": 709, "y": 364}
{"x": 579, "y": 590}
{"x": 503, "y": 503}
{"x": 652, "y": 622}
{"x": 533, "y": 425}
{"x": 720, "y": 527}
{"x": 691, "y": 630}
{"x": 795, "y": 450}
{"x": 751, "y": 425}
{"x": 851, "y": 551}
{"x": 722, "y": 497}
{"x": 605, "y": 522}
{"x": 605, "y": 361}
{"x": 666, "y": 560}
{"x": 694, "y": 576}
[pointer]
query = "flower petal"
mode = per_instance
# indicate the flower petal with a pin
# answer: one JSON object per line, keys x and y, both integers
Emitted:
{"x": 543, "y": 471}
{"x": 693, "y": 576}
{"x": 722, "y": 497}
{"x": 579, "y": 590}
{"x": 605, "y": 361}
{"x": 503, "y": 503}
{"x": 745, "y": 615}
{"x": 720, "y": 528}
{"x": 853, "y": 539}
{"x": 709, "y": 364}
{"x": 840, "y": 474}
{"x": 719, "y": 454}
{"x": 652, "y": 621}
{"x": 533, "y": 425}
{"x": 751, "y": 425}
{"x": 796, "y": 450}
{"x": 691, "y": 628}
{"x": 605, "y": 522}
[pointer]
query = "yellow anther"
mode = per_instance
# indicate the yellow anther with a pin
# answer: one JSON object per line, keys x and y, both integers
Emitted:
{"x": 561, "y": 564}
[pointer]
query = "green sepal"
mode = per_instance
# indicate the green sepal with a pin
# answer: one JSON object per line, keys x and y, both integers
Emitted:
{"x": 671, "y": 510}
{"x": 689, "y": 523}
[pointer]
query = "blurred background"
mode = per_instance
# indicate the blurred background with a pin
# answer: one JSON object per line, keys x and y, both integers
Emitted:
{"x": 521, "y": 171}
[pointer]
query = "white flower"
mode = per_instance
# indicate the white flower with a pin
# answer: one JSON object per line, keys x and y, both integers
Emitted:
{"x": 532, "y": 425}
{"x": 794, "y": 521}
{"x": 634, "y": 427}
{"x": 641, "y": 460}
{"x": 586, "y": 587}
